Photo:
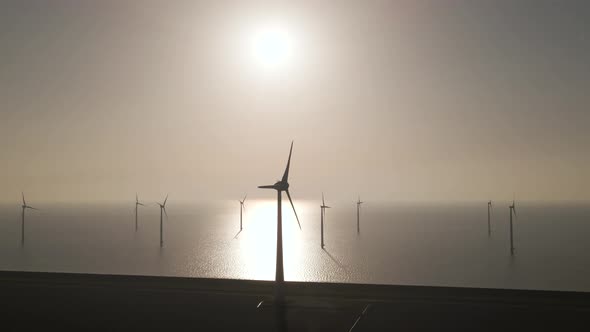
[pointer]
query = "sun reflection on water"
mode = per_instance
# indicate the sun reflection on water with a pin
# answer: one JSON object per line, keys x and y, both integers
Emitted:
{"x": 259, "y": 238}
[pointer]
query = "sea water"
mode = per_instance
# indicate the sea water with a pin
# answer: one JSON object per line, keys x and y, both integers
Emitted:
{"x": 439, "y": 244}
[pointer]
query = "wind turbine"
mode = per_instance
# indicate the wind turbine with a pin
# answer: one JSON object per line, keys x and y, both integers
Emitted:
{"x": 358, "y": 215}
{"x": 512, "y": 210}
{"x": 280, "y": 186}
{"x": 137, "y": 203}
{"x": 489, "y": 212}
{"x": 24, "y": 206}
{"x": 242, "y": 208}
{"x": 323, "y": 208}
{"x": 162, "y": 211}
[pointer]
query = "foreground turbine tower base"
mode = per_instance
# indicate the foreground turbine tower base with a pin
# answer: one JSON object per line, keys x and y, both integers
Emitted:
{"x": 280, "y": 274}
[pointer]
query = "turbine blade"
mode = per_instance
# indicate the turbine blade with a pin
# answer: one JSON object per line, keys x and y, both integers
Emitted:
{"x": 166, "y": 200}
{"x": 136, "y": 198}
{"x": 166, "y": 213}
{"x": 32, "y": 208}
{"x": 328, "y": 207}
{"x": 270, "y": 186}
{"x": 286, "y": 174}
{"x": 244, "y": 198}
{"x": 323, "y": 202}
{"x": 24, "y": 202}
{"x": 290, "y": 200}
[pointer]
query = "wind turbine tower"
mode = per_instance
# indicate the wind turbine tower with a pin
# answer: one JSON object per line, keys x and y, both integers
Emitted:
{"x": 489, "y": 216}
{"x": 162, "y": 212}
{"x": 24, "y": 206}
{"x": 280, "y": 186}
{"x": 137, "y": 203}
{"x": 358, "y": 215}
{"x": 512, "y": 210}
{"x": 323, "y": 208}
{"x": 242, "y": 208}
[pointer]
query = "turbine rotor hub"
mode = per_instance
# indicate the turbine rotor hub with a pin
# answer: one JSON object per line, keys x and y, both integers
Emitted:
{"x": 282, "y": 186}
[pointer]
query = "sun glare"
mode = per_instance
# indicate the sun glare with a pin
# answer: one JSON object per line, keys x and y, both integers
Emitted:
{"x": 272, "y": 47}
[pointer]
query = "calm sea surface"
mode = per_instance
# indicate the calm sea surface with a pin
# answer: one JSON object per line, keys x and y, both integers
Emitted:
{"x": 411, "y": 244}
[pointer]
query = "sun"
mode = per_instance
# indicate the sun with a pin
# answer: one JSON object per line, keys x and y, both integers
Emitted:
{"x": 273, "y": 47}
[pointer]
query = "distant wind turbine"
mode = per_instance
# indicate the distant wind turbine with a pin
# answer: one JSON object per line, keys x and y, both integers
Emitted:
{"x": 358, "y": 215}
{"x": 280, "y": 186}
{"x": 489, "y": 212}
{"x": 242, "y": 208}
{"x": 512, "y": 210}
{"x": 162, "y": 212}
{"x": 137, "y": 203}
{"x": 24, "y": 206}
{"x": 323, "y": 208}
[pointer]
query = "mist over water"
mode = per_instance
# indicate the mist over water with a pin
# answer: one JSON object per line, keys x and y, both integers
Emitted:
{"x": 444, "y": 244}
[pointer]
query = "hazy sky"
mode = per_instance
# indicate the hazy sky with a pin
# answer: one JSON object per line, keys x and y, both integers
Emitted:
{"x": 412, "y": 100}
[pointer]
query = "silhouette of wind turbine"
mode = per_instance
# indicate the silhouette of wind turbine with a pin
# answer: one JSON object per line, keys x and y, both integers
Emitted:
{"x": 358, "y": 215}
{"x": 137, "y": 203}
{"x": 24, "y": 206}
{"x": 323, "y": 208}
{"x": 280, "y": 186}
{"x": 512, "y": 210}
{"x": 489, "y": 212}
{"x": 162, "y": 211}
{"x": 242, "y": 208}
